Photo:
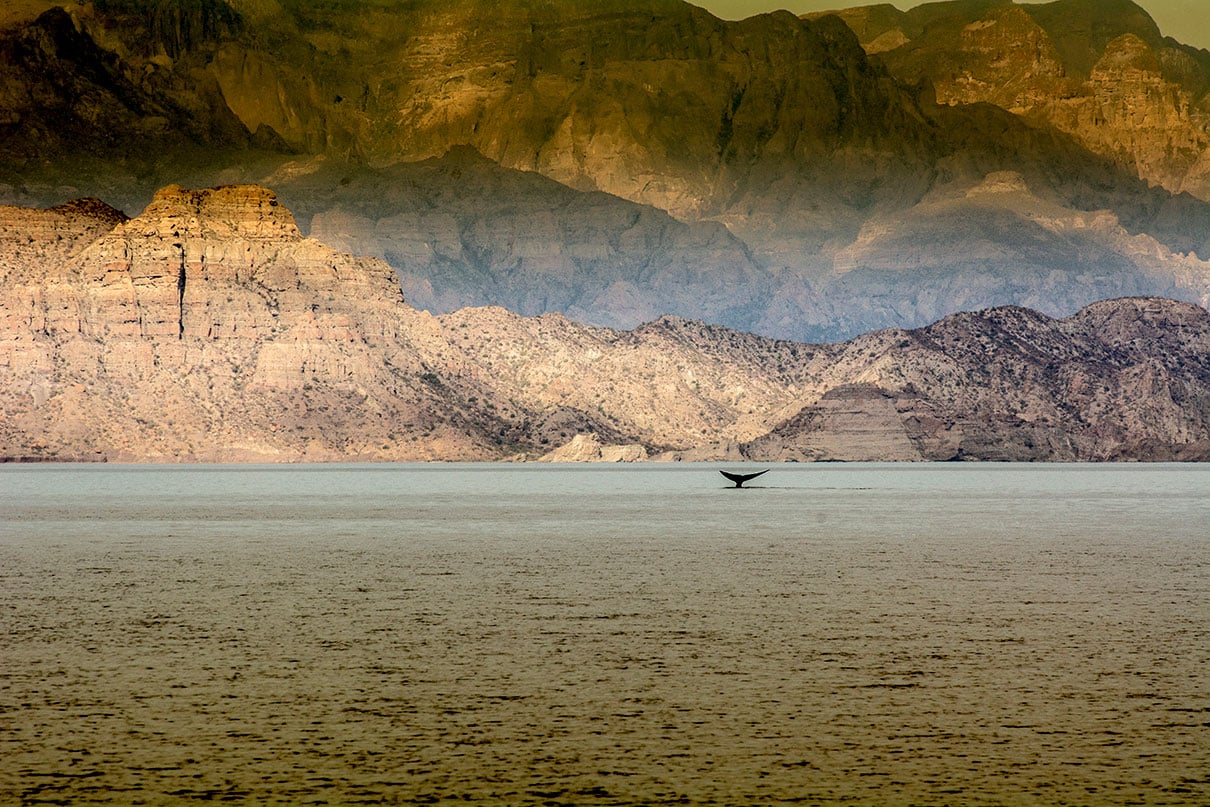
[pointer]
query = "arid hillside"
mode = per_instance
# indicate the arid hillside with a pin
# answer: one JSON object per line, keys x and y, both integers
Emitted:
{"x": 208, "y": 328}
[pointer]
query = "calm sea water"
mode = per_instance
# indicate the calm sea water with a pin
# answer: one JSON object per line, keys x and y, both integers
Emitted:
{"x": 869, "y": 634}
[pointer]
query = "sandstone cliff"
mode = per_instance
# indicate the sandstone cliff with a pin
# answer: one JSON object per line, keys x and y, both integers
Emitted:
{"x": 209, "y": 328}
{"x": 763, "y": 174}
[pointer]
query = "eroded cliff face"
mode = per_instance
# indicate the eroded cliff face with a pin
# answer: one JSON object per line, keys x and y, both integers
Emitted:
{"x": 655, "y": 101}
{"x": 208, "y": 328}
{"x": 1100, "y": 72}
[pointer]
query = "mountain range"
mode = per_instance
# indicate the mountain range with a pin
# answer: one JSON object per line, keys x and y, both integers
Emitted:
{"x": 807, "y": 179}
{"x": 209, "y": 328}
{"x": 628, "y": 230}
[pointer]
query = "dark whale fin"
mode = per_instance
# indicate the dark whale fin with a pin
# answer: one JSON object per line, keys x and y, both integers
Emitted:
{"x": 740, "y": 479}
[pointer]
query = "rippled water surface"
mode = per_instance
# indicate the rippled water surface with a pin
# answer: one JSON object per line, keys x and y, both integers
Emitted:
{"x": 872, "y": 634}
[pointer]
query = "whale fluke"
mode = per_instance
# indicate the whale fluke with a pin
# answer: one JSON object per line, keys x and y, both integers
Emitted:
{"x": 740, "y": 479}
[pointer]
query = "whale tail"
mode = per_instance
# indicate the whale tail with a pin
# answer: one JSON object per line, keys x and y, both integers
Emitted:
{"x": 740, "y": 479}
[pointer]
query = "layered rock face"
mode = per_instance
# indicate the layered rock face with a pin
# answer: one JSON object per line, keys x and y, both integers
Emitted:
{"x": 208, "y": 328}
{"x": 31, "y": 237}
{"x": 1099, "y": 72}
{"x": 198, "y": 331}
{"x": 763, "y": 174}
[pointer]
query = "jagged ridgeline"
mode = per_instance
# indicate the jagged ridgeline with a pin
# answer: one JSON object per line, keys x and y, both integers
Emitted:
{"x": 800, "y": 178}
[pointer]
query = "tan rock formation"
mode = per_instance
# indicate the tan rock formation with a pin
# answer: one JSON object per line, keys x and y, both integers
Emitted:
{"x": 1099, "y": 72}
{"x": 208, "y": 328}
{"x": 588, "y": 448}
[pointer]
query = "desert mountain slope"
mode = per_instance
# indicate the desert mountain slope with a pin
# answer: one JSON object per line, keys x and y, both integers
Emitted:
{"x": 1099, "y": 71}
{"x": 209, "y": 328}
{"x": 852, "y": 199}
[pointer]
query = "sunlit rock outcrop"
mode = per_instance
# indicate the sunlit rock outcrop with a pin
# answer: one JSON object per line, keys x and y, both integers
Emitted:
{"x": 1100, "y": 72}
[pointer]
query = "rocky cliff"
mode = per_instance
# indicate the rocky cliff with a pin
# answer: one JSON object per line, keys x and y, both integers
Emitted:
{"x": 1100, "y": 72}
{"x": 764, "y": 174}
{"x": 209, "y": 328}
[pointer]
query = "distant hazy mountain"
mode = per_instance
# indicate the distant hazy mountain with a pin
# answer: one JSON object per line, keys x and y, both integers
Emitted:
{"x": 209, "y": 328}
{"x": 616, "y": 140}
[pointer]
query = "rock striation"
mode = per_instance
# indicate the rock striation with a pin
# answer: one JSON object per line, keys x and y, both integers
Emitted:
{"x": 1100, "y": 72}
{"x": 198, "y": 331}
{"x": 208, "y": 328}
{"x": 618, "y": 161}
